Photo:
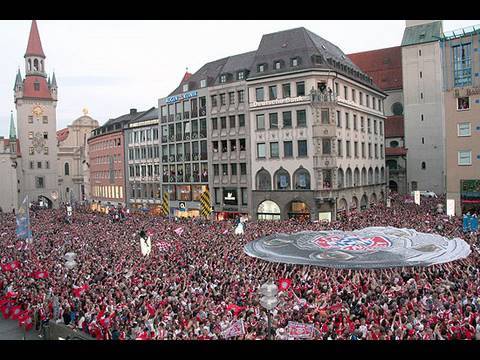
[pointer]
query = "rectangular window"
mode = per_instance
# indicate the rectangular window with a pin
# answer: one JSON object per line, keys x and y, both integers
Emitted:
{"x": 337, "y": 89}
{"x": 367, "y": 101}
{"x": 30, "y": 119}
{"x": 301, "y": 88}
{"x": 325, "y": 116}
{"x": 274, "y": 150}
{"x": 301, "y": 118}
{"x": 462, "y": 64}
{"x": 272, "y": 92}
{"x": 259, "y": 95}
{"x": 376, "y": 151}
{"x": 233, "y": 145}
{"x": 261, "y": 150}
{"x": 39, "y": 182}
{"x": 463, "y": 103}
{"x": 243, "y": 146}
{"x": 347, "y": 120}
{"x": 464, "y": 129}
{"x": 243, "y": 168}
{"x": 31, "y": 164}
{"x": 369, "y": 150}
{"x": 30, "y": 135}
{"x": 339, "y": 148}
{"x": 347, "y": 146}
{"x": 345, "y": 91}
{"x": 44, "y": 119}
{"x": 362, "y": 124}
{"x": 375, "y": 127}
{"x": 214, "y": 123}
{"x": 223, "y": 79}
{"x": 231, "y": 98}
{"x": 203, "y": 83}
{"x": 287, "y": 119}
{"x": 355, "y": 149}
{"x": 273, "y": 120}
{"x": 233, "y": 169}
{"x": 353, "y": 95}
{"x": 381, "y": 151}
{"x": 286, "y": 90}
{"x": 287, "y": 149}
{"x": 223, "y": 122}
{"x": 244, "y": 196}
{"x": 241, "y": 96}
{"x": 223, "y": 99}
{"x": 214, "y": 100}
{"x": 216, "y": 170}
{"x": 360, "y": 97}
{"x": 47, "y": 164}
{"x": 464, "y": 158}
{"x": 260, "y": 122}
{"x": 45, "y": 150}
{"x": 369, "y": 126}
{"x": 240, "y": 75}
{"x": 326, "y": 146}
{"x": 302, "y": 148}
{"x": 232, "y": 121}
{"x": 339, "y": 119}
{"x": 225, "y": 169}
{"x": 355, "y": 125}
{"x": 363, "y": 150}
{"x": 380, "y": 126}
{"x": 241, "y": 120}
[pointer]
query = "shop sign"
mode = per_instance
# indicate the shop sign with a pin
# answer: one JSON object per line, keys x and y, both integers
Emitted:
{"x": 230, "y": 196}
{"x": 467, "y": 92}
{"x": 185, "y": 96}
{"x": 182, "y": 206}
{"x": 280, "y": 101}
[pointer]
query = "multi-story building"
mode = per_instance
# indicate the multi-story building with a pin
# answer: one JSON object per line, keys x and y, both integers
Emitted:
{"x": 423, "y": 105}
{"x": 9, "y": 158}
{"x": 385, "y": 68}
{"x": 36, "y": 102}
{"x": 184, "y": 141}
{"x": 316, "y": 130}
{"x": 106, "y": 160}
{"x": 72, "y": 156}
{"x": 461, "y": 93}
{"x": 142, "y": 163}
{"x": 229, "y": 136}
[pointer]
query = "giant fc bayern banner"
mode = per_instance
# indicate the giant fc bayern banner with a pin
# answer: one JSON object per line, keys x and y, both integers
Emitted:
{"x": 373, "y": 247}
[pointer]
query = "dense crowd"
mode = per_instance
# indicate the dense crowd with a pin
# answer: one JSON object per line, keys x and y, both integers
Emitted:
{"x": 196, "y": 282}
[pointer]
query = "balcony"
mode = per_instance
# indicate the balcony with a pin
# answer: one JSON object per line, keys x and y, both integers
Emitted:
{"x": 325, "y": 97}
{"x": 203, "y": 111}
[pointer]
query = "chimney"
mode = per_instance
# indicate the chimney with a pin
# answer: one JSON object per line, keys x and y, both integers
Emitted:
{"x": 133, "y": 111}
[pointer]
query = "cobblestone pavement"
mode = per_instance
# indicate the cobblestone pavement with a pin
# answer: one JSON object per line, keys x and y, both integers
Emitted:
{"x": 9, "y": 330}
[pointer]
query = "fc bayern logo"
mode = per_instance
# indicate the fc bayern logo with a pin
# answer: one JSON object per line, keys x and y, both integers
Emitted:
{"x": 352, "y": 242}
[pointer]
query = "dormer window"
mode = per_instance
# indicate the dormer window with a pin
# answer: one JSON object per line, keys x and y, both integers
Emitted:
{"x": 223, "y": 78}
{"x": 262, "y": 67}
{"x": 203, "y": 83}
{"x": 295, "y": 62}
{"x": 240, "y": 75}
{"x": 36, "y": 86}
{"x": 185, "y": 88}
{"x": 277, "y": 65}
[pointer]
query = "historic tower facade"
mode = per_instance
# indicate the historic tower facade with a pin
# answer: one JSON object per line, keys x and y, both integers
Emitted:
{"x": 36, "y": 103}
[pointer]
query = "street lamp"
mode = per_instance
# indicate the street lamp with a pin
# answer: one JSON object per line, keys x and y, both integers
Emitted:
{"x": 268, "y": 301}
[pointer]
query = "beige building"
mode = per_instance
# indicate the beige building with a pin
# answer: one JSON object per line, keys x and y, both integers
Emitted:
{"x": 73, "y": 170}
{"x": 461, "y": 90}
{"x": 8, "y": 169}
{"x": 316, "y": 130}
{"x": 423, "y": 105}
{"x": 36, "y": 102}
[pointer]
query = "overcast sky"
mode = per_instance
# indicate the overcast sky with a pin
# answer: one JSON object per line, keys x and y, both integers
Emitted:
{"x": 112, "y": 66}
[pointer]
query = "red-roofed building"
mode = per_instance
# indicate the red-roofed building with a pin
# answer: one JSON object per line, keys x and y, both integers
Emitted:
{"x": 385, "y": 68}
{"x": 36, "y": 102}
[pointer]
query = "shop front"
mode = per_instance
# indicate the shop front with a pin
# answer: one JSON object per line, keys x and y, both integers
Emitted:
{"x": 470, "y": 196}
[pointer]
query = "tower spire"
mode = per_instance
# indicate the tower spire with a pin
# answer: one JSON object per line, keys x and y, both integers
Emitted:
{"x": 34, "y": 47}
{"x": 54, "y": 80}
{"x": 13, "y": 131}
{"x": 18, "y": 80}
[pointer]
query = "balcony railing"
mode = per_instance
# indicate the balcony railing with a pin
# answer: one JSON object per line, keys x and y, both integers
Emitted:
{"x": 323, "y": 97}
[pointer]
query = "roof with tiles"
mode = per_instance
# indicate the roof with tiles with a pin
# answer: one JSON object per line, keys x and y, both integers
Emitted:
{"x": 34, "y": 47}
{"x": 383, "y": 65}
{"x": 398, "y": 151}
{"x": 423, "y": 33}
{"x": 29, "y": 88}
{"x": 394, "y": 126}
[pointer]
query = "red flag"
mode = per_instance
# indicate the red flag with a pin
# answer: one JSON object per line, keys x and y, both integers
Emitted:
{"x": 236, "y": 309}
{"x": 6, "y": 267}
{"x": 11, "y": 266}
{"x": 11, "y": 295}
{"x": 179, "y": 231}
{"x": 25, "y": 319}
{"x": 15, "y": 312}
{"x": 150, "y": 309}
{"x": 6, "y": 311}
{"x": 100, "y": 315}
{"x": 80, "y": 290}
{"x": 107, "y": 321}
{"x": 284, "y": 284}
{"x": 143, "y": 336}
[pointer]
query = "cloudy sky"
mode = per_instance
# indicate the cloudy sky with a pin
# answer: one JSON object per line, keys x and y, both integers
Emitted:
{"x": 112, "y": 66}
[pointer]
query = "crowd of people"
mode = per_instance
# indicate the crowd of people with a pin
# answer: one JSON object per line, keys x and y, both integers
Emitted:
{"x": 197, "y": 281}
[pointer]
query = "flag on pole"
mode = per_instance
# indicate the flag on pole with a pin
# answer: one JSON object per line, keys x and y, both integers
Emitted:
{"x": 163, "y": 245}
{"x": 166, "y": 204}
{"x": 23, "y": 230}
{"x": 178, "y": 231}
{"x": 205, "y": 207}
{"x": 40, "y": 274}
{"x": 25, "y": 319}
{"x": 236, "y": 328}
{"x": 77, "y": 292}
{"x": 284, "y": 284}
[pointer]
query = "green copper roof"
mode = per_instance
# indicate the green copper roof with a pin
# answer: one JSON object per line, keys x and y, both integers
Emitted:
{"x": 18, "y": 80}
{"x": 13, "y": 131}
{"x": 423, "y": 33}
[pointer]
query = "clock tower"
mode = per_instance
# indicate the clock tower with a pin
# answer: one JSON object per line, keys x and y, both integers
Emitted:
{"x": 36, "y": 103}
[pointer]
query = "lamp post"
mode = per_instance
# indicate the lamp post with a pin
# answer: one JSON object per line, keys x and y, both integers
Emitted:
{"x": 268, "y": 301}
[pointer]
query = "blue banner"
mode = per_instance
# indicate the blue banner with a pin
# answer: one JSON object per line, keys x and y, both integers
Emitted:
{"x": 23, "y": 221}
{"x": 474, "y": 224}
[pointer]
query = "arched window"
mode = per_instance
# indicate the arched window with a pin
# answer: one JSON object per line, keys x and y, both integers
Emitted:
{"x": 348, "y": 176}
{"x": 264, "y": 180}
{"x": 370, "y": 176}
{"x": 364, "y": 176}
{"x": 342, "y": 205}
{"x": 41, "y": 65}
{"x": 35, "y": 64}
{"x": 382, "y": 175}
{"x": 268, "y": 210}
{"x": 302, "y": 179}
{"x": 282, "y": 179}
{"x": 340, "y": 178}
{"x": 354, "y": 203}
{"x": 373, "y": 198}
{"x": 424, "y": 165}
{"x": 67, "y": 169}
{"x": 377, "y": 176}
{"x": 29, "y": 65}
{"x": 356, "y": 177}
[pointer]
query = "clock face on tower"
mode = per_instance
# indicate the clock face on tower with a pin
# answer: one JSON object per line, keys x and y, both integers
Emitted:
{"x": 37, "y": 110}
{"x": 38, "y": 142}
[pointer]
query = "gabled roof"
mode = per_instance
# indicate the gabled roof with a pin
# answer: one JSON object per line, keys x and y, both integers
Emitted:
{"x": 423, "y": 33}
{"x": 394, "y": 126}
{"x": 18, "y": 80}
{"x": 186, "y": 76}
{"x": 29, "y": 90}
{"x": 383, "y": 65}
{"x": 34, "y": 47}
{"x": 150, "y": 114}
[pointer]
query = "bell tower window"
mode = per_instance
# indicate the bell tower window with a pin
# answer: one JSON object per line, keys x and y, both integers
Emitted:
{"x": 29, "y": 65}
{"x": 35, "y": 64}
